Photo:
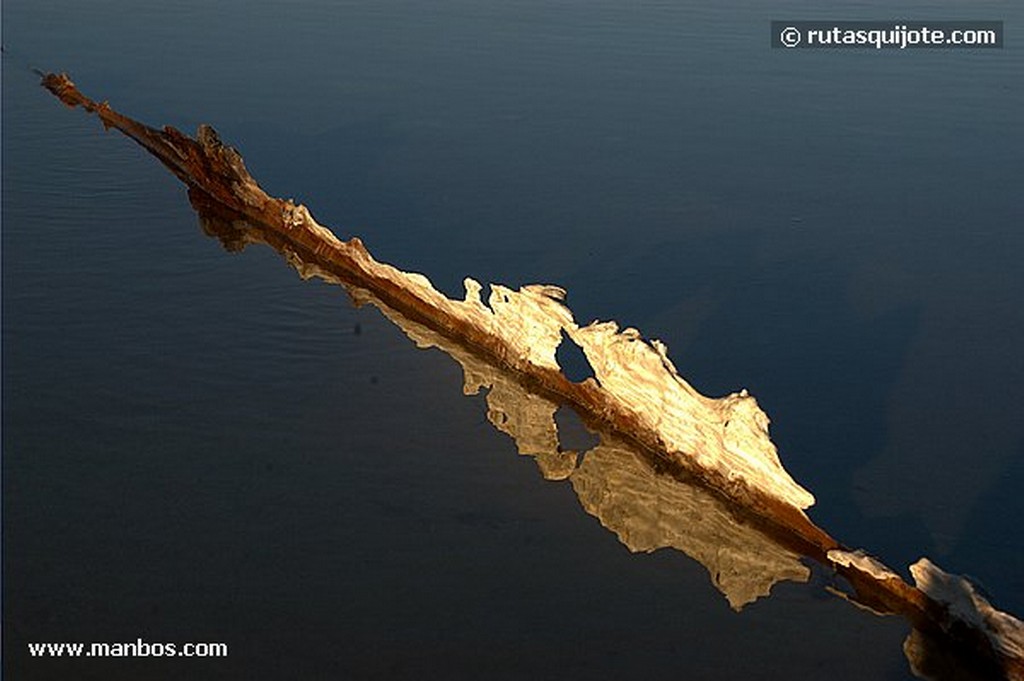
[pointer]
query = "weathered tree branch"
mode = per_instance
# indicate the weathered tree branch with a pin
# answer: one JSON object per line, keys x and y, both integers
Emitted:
{"x": 638, "y": 397}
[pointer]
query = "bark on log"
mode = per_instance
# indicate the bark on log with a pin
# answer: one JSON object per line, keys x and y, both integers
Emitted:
{"x": 638, "y": 398}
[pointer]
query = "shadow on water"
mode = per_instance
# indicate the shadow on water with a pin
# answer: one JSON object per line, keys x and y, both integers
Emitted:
{"x": 646, "y": 501}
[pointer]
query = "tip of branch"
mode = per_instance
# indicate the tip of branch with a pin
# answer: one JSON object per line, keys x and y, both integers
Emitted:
{"x": 61, "y": 85}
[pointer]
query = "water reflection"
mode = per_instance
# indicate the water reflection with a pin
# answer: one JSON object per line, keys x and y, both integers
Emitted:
{"x": 646, "y": 501}
{"x": 648, "y": 511}
{"x": 641, "y": 502}
{"x": 646, "y": 508}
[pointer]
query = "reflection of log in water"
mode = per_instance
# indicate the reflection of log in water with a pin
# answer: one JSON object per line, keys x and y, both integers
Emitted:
{"x": 674, "y": 468}
{"x": 645, "y": 500}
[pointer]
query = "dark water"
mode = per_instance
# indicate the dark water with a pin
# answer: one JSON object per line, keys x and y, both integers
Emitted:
{"x": 201, "y": 447}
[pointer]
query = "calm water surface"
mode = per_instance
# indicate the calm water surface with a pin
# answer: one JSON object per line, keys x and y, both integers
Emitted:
{"x": 201, "y": 447}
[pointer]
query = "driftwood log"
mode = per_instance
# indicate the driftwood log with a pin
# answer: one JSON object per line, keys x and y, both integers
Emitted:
{"x": 636, "y": 398}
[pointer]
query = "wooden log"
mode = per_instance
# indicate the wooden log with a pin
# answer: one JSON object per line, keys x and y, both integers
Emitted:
{"x": 638, "y": 397}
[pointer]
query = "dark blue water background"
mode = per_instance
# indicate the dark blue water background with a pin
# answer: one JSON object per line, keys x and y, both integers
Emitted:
{"x": 200, "y": 447}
